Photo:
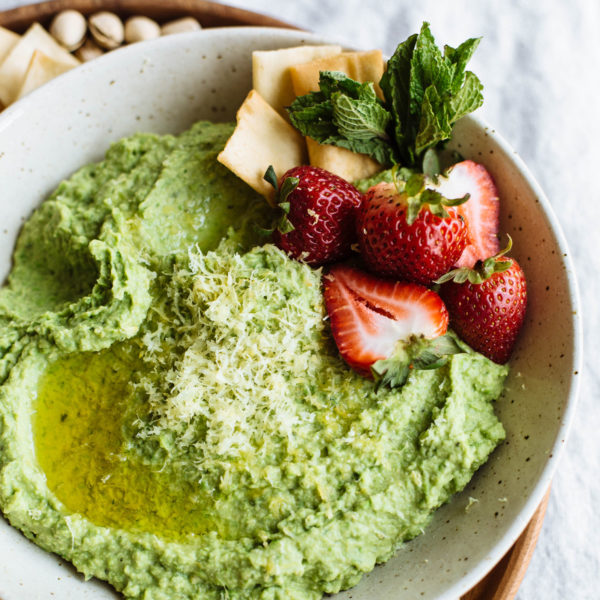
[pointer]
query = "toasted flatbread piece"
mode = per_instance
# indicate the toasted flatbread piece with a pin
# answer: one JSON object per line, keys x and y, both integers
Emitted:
{"x": 361, "y": 66}
{"x": 7, "y": 40}
{"x": 41, "y": 69}
{"x": 262, "y": 137}
{"x": 271, "y": 72}
{"x": 345, "y": 163}
{"x": 16, "y": 63}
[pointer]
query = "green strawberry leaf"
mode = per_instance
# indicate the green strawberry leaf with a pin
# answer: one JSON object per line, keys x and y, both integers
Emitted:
{"x": 418, "y": 195}
{"x": 482, "y": 270}
{"x": 396, "y": 175}
{"x": 287, "y": 187}
{"x": 415, "y": 353}
{"x": 271, "y": 177}
{"x": 284, "y": 225}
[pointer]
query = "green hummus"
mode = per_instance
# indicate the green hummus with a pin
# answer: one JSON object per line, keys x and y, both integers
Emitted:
{"x": 174, "y": 415}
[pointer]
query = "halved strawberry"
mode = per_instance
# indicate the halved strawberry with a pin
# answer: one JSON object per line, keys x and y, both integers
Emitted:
{"x": 481, "y": 212}
{"x": 370, "y": 316}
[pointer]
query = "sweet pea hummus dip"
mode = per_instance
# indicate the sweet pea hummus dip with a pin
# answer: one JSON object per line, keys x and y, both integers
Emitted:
{"x": 174, "y": 416}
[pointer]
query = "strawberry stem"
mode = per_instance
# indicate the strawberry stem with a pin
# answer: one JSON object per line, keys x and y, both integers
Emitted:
{"x": 482, "y": 270}
{"x": 415, "y": 353}
{"x": 419, "y": 195}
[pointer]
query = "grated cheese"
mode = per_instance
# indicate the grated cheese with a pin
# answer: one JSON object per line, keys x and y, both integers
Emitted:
{"x": 243, "y": 351}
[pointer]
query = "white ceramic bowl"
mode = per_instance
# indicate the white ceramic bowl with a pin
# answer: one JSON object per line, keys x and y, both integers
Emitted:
{"x": 166, "y": 85}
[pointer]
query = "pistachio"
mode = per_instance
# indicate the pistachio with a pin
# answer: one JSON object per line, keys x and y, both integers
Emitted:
{"x": 138, "y": 29}
{"x": 180, "y": 26}
{"x": 107, "y": 29}
{"x": 89, "y": 51}
{"x": 68, "y": 28}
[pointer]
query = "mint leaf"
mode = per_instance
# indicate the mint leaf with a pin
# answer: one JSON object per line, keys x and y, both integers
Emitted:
{"x": 459, "y": 58}
{"x": 395, "y": 84}
{"x": 312, "y": 115}
{"x": 336, "y": 81}
{"x": 431, "y": 165}
{"x": 434, "y": 126}
{"x": 427, "y": 92}
{"x": 347, "y": 114}
{"x": 427, "y": 69}
{"x": 468, "y": 98}
{"x": 359, "y": 119}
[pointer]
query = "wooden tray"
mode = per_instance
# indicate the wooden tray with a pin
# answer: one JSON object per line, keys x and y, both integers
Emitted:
{"x": 503, "y": 581}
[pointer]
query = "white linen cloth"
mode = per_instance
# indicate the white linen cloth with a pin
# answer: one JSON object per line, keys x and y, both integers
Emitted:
{"x": 539, "y": 61}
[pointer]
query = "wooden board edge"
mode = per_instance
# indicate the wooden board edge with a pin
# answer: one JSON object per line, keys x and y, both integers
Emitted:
{"x": 504, "y": 580}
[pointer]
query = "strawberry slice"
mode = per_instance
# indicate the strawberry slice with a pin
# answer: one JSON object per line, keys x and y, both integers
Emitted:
{"x": 369, "y": 316}
{"x": 481, "y": 212}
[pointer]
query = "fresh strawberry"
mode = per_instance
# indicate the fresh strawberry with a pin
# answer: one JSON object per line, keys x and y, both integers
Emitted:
{"x": 371, "y": 317}
{"x": 481, "y": 212}
{"x": 487, "y": 304}
{"x": 319, "y": 208}
{"x": 415, "y": 234}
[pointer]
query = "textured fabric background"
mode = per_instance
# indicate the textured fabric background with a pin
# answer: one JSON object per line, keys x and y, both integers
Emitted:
{"x": 540, "y": 64}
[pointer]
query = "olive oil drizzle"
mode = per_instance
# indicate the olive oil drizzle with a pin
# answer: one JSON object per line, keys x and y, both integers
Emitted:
{"x": 78, "y": 433}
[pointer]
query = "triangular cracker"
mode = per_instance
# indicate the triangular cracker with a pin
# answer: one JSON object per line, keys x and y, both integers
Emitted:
{"x": 41, "y": 69}
{"x": 7, "y": 40}
{"x": 16, "y": 63}
{"x": 262, "y": 137}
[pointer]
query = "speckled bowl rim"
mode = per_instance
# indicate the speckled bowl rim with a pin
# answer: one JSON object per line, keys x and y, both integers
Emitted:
{"x": 480, "y": 569}
{"x": 545, "y": 479}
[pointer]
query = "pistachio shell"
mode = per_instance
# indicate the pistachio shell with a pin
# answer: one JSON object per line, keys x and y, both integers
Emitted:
{"x": 68, "y": 28}
{"x": 180, "y": 26}
{"x": 89, "y": 51}
{"x": 107, "y": 29}
{"x": 138, "y": 29}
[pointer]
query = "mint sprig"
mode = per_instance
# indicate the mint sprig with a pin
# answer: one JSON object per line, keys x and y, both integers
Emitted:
{"x": 425, "y": 91}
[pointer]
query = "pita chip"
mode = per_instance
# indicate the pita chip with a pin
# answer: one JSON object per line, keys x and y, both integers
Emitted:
{"x": 262, "y": 137}
{"x": 360, "y": 66}
{"x": 16, "y": 63}
{"x": 271, "y": 72}
{"x": 41, "y": 69}
{"x": 7, "y": 40}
